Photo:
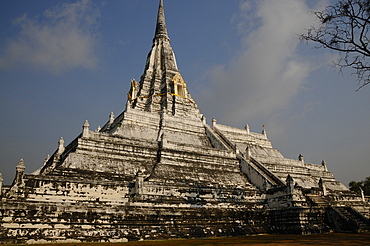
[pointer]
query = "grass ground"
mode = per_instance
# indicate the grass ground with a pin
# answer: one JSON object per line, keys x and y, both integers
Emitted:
{"x": 272, "y": 240}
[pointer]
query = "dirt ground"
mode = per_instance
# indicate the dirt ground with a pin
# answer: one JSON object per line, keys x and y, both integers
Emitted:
{"x": 272, "y": 240}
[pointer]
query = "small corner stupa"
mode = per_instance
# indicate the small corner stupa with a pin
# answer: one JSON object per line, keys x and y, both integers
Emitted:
{"x": 159, "y": 171}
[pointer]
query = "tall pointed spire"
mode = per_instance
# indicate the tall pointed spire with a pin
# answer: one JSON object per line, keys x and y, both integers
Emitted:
{"x": 161, "y": 30}
{"x": 161, "y": 87}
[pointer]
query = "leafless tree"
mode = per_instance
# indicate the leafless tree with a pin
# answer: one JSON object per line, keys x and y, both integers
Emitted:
{"x": 344, "y": 27}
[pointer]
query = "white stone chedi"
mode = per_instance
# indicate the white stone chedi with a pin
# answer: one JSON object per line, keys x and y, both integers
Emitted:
{"x": 158, "y": 170}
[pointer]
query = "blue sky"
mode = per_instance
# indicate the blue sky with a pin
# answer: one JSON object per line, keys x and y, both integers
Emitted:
{"x": 64, "y": 62}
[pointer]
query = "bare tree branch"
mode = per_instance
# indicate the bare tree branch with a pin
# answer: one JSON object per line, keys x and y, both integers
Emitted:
{"x": 344, "y": 27}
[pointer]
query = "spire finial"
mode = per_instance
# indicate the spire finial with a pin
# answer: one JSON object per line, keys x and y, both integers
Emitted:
{"x": 161, "y": 30}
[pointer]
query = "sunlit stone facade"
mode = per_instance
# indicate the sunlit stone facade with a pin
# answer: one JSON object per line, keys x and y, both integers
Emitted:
{"x": 158, "y": 170}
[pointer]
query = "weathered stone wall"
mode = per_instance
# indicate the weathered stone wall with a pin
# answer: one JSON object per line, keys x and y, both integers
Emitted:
{"x": 110, "y": 153}
{"x": 211, "y": 167}
{"x": 29, "y": 222}
{"x": 297, "y": 220}
{"x": 184, "y": 131}
{"x": 75, "y": 189}
{"x": 137, "y": 124}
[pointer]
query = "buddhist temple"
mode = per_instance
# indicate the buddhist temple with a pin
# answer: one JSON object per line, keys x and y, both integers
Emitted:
{"x": 159, "y": 171}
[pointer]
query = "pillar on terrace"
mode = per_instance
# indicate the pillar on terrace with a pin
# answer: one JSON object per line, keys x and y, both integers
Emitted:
{"x": 323, "y": 163}
{"x": 247, "y": 128}
{"x": 290, "y": 184}
{"x": 1, "y": 183}
{"x": 362, "y": 194}
{"x": 323, "y": 187}
{"x": 214, "y": 122}
{"x": 204, "y": 119}
{"x": 301, "y": 159}
{"x": 61, "y": 147}
{"x": 85, "y": 129}
{"x": 264, "y": 133}
{"x": 18, "y": 180}
{"x": 111, "y": 118}
{"x": 248, "y": 153}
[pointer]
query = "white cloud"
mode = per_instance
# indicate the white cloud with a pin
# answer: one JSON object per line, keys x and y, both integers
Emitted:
{"x": 269, "y": 71}
{"x": 63, "y": 39}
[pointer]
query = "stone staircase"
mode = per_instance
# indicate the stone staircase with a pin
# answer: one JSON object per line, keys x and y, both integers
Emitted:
{"x": 252, "y": 162}
{"x": 223, "y": 139}
{"x": 317, "y": 200}
{"x": 269, "y": 175}
{"x": 352, "y": 215}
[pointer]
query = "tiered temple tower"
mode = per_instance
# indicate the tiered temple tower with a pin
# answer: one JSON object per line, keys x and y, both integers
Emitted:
{"x": 158, "y": 170}
{"x": 161, "y": 87}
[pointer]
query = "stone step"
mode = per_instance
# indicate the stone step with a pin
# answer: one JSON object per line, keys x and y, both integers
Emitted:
{"x": 351, "y": 214}
{"x": 318, "y": 200}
